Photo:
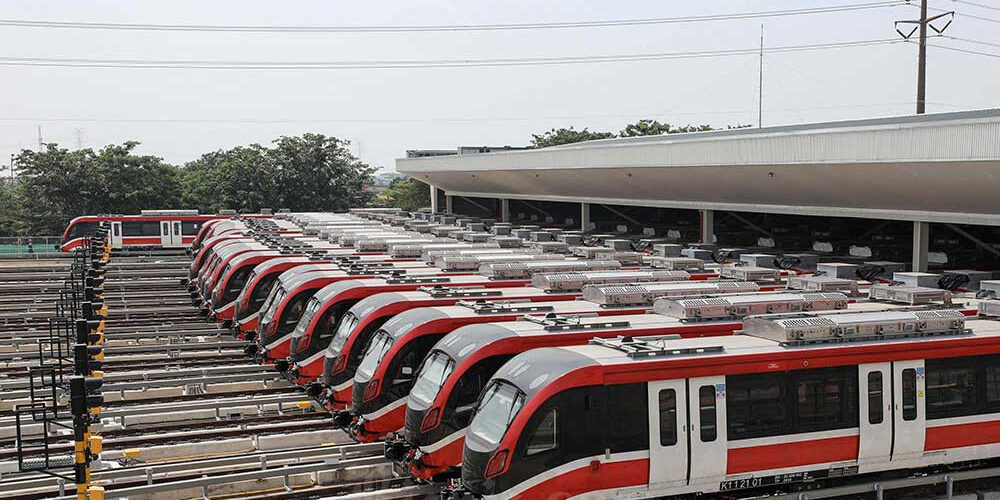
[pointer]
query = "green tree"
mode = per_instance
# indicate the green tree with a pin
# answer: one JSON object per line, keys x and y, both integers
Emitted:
{"x": 556, "y": 137}
{"x": 407, "y": 194}
{"x": 316, "y": 172}
{"x": 654, "y": 127}
{"x": 56, "y": 184}
{"x": 311, "y": 172}
{"x": 241, "y": 178}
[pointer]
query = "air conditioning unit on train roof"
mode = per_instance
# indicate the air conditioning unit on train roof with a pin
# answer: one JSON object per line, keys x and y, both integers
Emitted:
{"x": 506, "y": 241}
{"x": 576, "y": 281}
{"x": 822, "y": 284}
{"x": 676, "y": 263}
{"x": 524, "y": 270}
{"x": 473, "y": 262}
{"x": 838, "y": 327}
{"x": 167, "y": 212}
{"x": 550, "y": 247}
{"x": 749, "y": 273}
{"x": 646, "y": 293}
{"x": 741, "y": 306}
{"x": 911, "y": 295}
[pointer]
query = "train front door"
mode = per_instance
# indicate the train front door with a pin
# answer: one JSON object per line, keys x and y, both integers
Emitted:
{"x": 170, "y": 234}
{"x": 116, "y": 234}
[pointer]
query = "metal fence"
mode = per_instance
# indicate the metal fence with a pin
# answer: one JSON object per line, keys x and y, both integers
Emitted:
{"x": 29, "y": 244}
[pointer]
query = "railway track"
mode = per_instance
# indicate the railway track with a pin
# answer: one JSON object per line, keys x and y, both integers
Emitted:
{"x": 171, "y": 382}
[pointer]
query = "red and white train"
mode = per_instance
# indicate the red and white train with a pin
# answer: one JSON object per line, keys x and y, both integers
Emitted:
{"x": 149, "y": 229}
{"x": 800, "y": 397}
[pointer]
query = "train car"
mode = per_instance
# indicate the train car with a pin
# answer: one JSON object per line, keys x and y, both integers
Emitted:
{"x": 209, "y": 276}
{"x": 295, "y": 271}
{"x": 256, "y": 291}
{"x": 819, "y": 398}
{"x": 150, "y": 229}
{"x": 344, "y": 354}
{"x": 221, "y": 256}
{"x": 431, "y": 443}
{"x": 249, "y": 304}
{"x": 313, "y": 333}
{"x": 274, "y": 334}
{"x": 380, "y": 408}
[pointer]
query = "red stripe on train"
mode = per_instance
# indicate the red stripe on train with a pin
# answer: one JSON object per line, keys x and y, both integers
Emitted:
{"x": 590, "y": 478}
{"x": 957, "y": 436}
{"x": 779, "y": 456}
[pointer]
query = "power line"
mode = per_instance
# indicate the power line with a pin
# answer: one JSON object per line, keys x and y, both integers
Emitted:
{"x": 445, "y": 28}
{"x": 434, "y": 63}
{"x": 963, "y": 14}
{"x": 969, "y": 40}
{"x": 265, "y": 121}
{"x": 974, "y": 4}
{"x": 967, "y": 51}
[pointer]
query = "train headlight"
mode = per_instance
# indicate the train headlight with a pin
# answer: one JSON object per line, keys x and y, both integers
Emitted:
{"x": 372, "y": 390}
{"x": 496, "y": 464}
{"x": 339, "y": 364}
{"x": 430, "y": 420}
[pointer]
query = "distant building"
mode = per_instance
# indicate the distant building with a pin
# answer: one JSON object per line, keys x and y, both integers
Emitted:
{"x": 386, "y": 178}
{"x": 462, "y": 150}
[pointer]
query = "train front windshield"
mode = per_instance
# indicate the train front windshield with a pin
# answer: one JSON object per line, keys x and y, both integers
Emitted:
{"x": 377, "y": 349}
{"x": 270, "y": 306}
{"x": 307, "y": 317}
{"x": 500, "y": 403}
{"x": 343, "y": 333}
{"x": 431, "y": 376}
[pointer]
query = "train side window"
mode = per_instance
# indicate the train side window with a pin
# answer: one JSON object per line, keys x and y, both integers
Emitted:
{"x": 165, "y": 228}
{"x": 117, "y": 229}
{"x": 951, "y": 387}
{"x": 141, "y": 228}
{"x": 545, "y": 436}
{"x": 909, "y": 395}
{"x": 668, "y": 417}
{"x": 706, "y": 407}
{"x": 992, "y": 380}
{"x": 826, "y": 399}
{"x": 629, "y": 429}
{"x": 875, "y": 404}
{"x": 756, "y": 405}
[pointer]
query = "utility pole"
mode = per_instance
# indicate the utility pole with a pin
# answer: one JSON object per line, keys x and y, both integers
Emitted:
{"x": 920, "y": 29}
{"x": 41, "y": 146}
{"x": 79, "y": 138}
{"x": 760, "y": 83}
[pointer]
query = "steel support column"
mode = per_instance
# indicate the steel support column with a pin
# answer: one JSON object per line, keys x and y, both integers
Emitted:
{"x": 585, "y": 217}
{"x": 707, "y": 219}
{"x": 434, "y": 199}
{"x": 504, "y": 210}
{"x": 921, "y": 243}
{"x": 449, "y": 206}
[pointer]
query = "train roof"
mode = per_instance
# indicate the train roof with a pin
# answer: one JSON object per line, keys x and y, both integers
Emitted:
{"x": 430, "y": 275}
{"x": 463, "y": 341}
{"x": 737, "y": 351}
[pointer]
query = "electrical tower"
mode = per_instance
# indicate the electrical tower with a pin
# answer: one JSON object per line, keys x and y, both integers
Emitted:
{"x": 919, "y": 26}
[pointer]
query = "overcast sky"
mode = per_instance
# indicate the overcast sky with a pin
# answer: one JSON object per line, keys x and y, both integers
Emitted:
{"x": 179, "y": 114}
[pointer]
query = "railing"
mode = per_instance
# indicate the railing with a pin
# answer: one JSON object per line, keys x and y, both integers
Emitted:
{"x": 29, "y": 244}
